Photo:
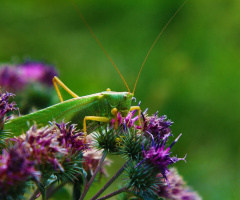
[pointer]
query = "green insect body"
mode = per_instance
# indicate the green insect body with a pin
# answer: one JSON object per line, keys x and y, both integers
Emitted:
{"x": 104, "y": 105}
{"x": 74, "y": 110}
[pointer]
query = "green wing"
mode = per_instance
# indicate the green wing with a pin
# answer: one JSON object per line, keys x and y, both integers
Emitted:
{"x": 73, "y": 110}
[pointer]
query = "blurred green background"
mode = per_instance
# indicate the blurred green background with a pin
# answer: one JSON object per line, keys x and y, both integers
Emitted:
{"x": 192, "y": 74}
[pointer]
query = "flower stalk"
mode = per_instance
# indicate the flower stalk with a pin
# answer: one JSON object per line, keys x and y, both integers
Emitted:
{"x": 87, "y": 185}
{"x": 34, "y": 194}
{"x": 119, "y": 172}
{"x": 124, "y": 189}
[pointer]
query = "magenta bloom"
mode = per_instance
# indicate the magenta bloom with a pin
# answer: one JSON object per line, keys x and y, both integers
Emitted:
{"x": 128, "y": 121}
{"x": 16, "y": 167}
{"x": 37, "y": 71}
{"x": 159, "y": 127}
{"x": 5, "y": 106}
{"x": 70, "y": 139}
{"x": 178, "y": 189}
{"x": 11, "y": 79}
{"x": 15, "y": 78}
{"x": 159, "y": 156}
{"x": 44, "y": 146}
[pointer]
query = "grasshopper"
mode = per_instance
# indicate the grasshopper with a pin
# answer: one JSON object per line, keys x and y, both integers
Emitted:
{"x": 100, "y": 107}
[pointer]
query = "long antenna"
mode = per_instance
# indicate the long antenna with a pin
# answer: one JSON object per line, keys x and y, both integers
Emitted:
{"x": 156, "y": 42}
{"x": 91, "y": 31}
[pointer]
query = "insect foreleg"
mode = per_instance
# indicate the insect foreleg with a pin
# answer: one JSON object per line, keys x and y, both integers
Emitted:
{"x": 56, "y": 81}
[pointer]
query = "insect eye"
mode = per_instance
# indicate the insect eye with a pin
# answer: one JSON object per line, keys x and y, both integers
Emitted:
{"x": 125, "y": 96}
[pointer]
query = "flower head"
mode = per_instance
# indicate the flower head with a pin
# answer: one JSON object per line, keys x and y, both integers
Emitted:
{"x": 10, "y": 79}
{"x": 16, "y": 168}
{"x": 128, "y": 121}
{"x": 178, "y": 189}
{"x": 44, "y": 146}
{"x": 159, "y": 127}
{"x": 70, "y": 139}
{"x": 37, "y": 71}
{"x": 15, "y": 78}
{"x": 5, "y": 106}
{"x": 159, "y": 156}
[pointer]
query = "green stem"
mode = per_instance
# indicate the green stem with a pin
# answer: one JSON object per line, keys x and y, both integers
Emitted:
{"x": 93, "y": 176}
{"x": 51, "y": 191}
{"x": 34, "y": 194}
{"x": 109, "y": 182}
{"x": 113, "y": 193}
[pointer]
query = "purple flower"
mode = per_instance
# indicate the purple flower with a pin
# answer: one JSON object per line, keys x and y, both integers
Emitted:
{"x": 128, "y": 121}
{"x": 16, "y": 166}
{"x": 158, "y": 126}
{"x": 10, "y": 79}
{"x": 70, "y": 139}
{"x": 159, "y": 156}
{"x": 5, "y": 106}
{"x": 16, "y": 77}
{"x": 52, "y": 146}
{"x": 178, "y": 189}
{"x": 44, "y": 147}
{"x": 37, "y": 71}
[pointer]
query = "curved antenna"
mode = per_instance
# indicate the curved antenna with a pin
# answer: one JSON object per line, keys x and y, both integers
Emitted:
{"x": 91, "y": 31}
{"x": 156, "y": 42}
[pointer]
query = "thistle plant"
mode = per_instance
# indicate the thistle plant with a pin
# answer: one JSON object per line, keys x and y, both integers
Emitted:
{"x": 31, "y": 81}
{"x": 45, "y": 158}
{"x": 5, "y": 108}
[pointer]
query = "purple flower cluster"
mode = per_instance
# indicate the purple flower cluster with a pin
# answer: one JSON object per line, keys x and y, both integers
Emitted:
{"x": 159, "y": 127}
{"x": 5, "y": 106}
{"x": 43, "y": 146}
{"x": 16, "y": 167}
{"x": 11, "y": 79}
{"x": 70, "y": 139}
{"x": 159, "y": 156}
{"x": 37, "y": 71}
{"x": 128, "y": 121}
{"x": 15, "y": 78}
{"x": 38, "y": 152}
{"x": 178, "y": 189}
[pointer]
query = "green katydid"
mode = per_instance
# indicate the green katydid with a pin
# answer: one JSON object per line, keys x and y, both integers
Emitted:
{"x": 100, "y": 107}
{"x": 96, "y": 107}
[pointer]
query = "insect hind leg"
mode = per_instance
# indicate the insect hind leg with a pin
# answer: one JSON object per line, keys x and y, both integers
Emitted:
{"x": 56, "y": 81}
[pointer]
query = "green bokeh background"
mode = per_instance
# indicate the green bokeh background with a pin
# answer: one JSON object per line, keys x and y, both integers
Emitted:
{"x": 192, "y": 74}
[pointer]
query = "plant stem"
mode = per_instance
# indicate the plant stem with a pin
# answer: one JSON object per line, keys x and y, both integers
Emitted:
{"x": 113, "y": 193}
{"x": 93, "y": 176}
{"x": 109, "y": 182}
{"x": 34, "y": 194}
{"x": 51, "y": 191}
